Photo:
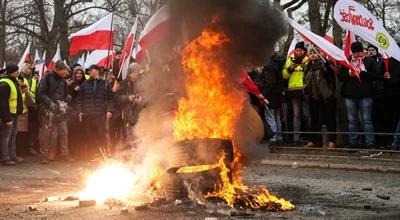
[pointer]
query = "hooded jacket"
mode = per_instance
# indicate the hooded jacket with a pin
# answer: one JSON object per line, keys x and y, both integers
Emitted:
{"x": 324, "y": 79}
{"x": 272, "y": 83}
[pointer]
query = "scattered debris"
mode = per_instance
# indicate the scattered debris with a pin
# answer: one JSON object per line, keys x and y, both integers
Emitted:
{"x": 114, "y": 202}
{"x": 384, "y": 197}
{"x": 367, "y": 206}
{"x": 33, "y": 208}
{"x": 124, "y": 211}
{"x": 86, "y": 203}
{"x": 367, "y": 188}
{"x": 373, "y": 155}
{"x": 51, "y": 199}
{"x": 141, "y": 207}
{"x": 240, "y": 213}
{"x": 177, "y": 202}
{"x": 71, "y": 198}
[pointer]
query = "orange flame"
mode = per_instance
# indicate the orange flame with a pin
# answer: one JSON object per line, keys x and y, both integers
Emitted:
{"x": 210, "y": 110}
{"x": 238, "y": 195}
{"x": 212, "y": 105}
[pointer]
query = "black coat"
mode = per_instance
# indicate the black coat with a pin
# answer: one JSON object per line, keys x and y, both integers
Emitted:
{"x": 95, "y": 97}
{"x": 363, "y": 88}
{"x": 5, "y": 92}
{"x": 272, "y": 83}
{"x": 392, "y": 86}
{"x": 52, "y": 88}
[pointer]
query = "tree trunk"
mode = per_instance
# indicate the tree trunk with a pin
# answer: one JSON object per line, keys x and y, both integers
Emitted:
{"x": 3, "y": 8}
{"x": 314, "y": 16}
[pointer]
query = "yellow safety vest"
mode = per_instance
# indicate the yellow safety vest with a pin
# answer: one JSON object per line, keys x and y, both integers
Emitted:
{"x": 32, "y": 88}
{"x": 296, "y": 77}
{"x": 13, "y": 101}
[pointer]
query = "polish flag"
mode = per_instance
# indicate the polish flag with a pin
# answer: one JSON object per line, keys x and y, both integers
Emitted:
{"x": 129, "y": 43}
{"x": 329, "y": 35}
{"x": 348, "y": 40}
{"x": 42, "y": 67}
{"x": 98, "y": 36}
{"x": 25, "y": 57}
{"x": 127, "y": 52}
{"x": 155, "y": 30}
{"x": 99, "y": 57}
{"x": 57, "y": 57}
{"x": 325, "y": 46}
{"x": 37, "y": 60}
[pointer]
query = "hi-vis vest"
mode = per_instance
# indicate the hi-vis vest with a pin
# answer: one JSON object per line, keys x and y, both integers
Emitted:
{"x": 32, "y": 88}
{"x": 296, "y": 77}
{"x": 13, "y": 101}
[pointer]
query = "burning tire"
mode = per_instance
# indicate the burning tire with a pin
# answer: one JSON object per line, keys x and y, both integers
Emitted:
{"x": 191, "y": 166}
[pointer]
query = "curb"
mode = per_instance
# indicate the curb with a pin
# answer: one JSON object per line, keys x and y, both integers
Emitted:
{"x": 329, "y": 165}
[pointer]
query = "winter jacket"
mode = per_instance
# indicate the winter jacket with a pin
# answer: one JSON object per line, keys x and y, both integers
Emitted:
{"x": 379, "y": 83}
{"x": 52, "y": 88}
{"x": 392, "y": 86}
{"x": 130, "y": 110}
{"x": 363, "y": 88}
{"x": 5, "y": 92}
{"x": 272, "y": 83}
{"x": 95, "y": 97}
{"x": 295, "y": 75}
{"x": 324, "y": 80}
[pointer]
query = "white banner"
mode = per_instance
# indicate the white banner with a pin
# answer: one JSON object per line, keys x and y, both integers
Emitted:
{"x": 352, "y": 16}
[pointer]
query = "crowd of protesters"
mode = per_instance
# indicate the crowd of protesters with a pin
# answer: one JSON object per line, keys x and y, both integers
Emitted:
{"x": 56, "y": 117}
{"x": 305, "y": 93}
{"x": 300, "y": 93}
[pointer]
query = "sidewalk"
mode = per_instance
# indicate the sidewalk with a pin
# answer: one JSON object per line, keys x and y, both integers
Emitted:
{"x": 368, "y": 160}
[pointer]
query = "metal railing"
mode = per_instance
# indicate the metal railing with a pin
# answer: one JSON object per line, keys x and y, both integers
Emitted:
{"x": 324, "y": 133}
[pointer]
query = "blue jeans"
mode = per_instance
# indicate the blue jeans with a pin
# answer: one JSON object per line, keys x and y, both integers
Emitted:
{"x": 300, "y": 108}
{"x": 396, "y": 138}
{"x": 7, "y": 139}
{"x": 359, "y": 111}
{"x": 272, "y": 117}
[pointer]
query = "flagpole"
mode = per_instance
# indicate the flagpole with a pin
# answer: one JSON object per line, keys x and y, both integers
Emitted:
{"x": 111, "y": 40}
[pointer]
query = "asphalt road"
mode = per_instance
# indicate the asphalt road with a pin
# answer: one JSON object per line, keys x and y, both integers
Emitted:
{"x": 318, "y": 193}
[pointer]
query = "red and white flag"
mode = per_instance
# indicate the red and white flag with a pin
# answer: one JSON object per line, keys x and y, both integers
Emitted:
{"x": 25, "y": 57}
{"x": 42, "y": 67}
{"x": 37, "y": 57}
{"x": 100, "y": 58}
{"x": 98, "y": 36}
{"x": 127, "y": 51}
{"x": 37, "y": 61}
{"x": 155, "y": 30}
{"x": 57, "y": 57}
{"x": 329, "y": 35}
{"x": 349, "y": 38}
{"x": 325, "y": 46}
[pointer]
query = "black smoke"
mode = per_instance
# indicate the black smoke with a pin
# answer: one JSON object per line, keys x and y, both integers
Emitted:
{"x": 252, "y": 25}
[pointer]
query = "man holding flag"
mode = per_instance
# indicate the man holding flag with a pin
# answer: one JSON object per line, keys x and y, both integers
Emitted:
{"x": 293, "y": 70}
{"x": 358, "y": 93}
